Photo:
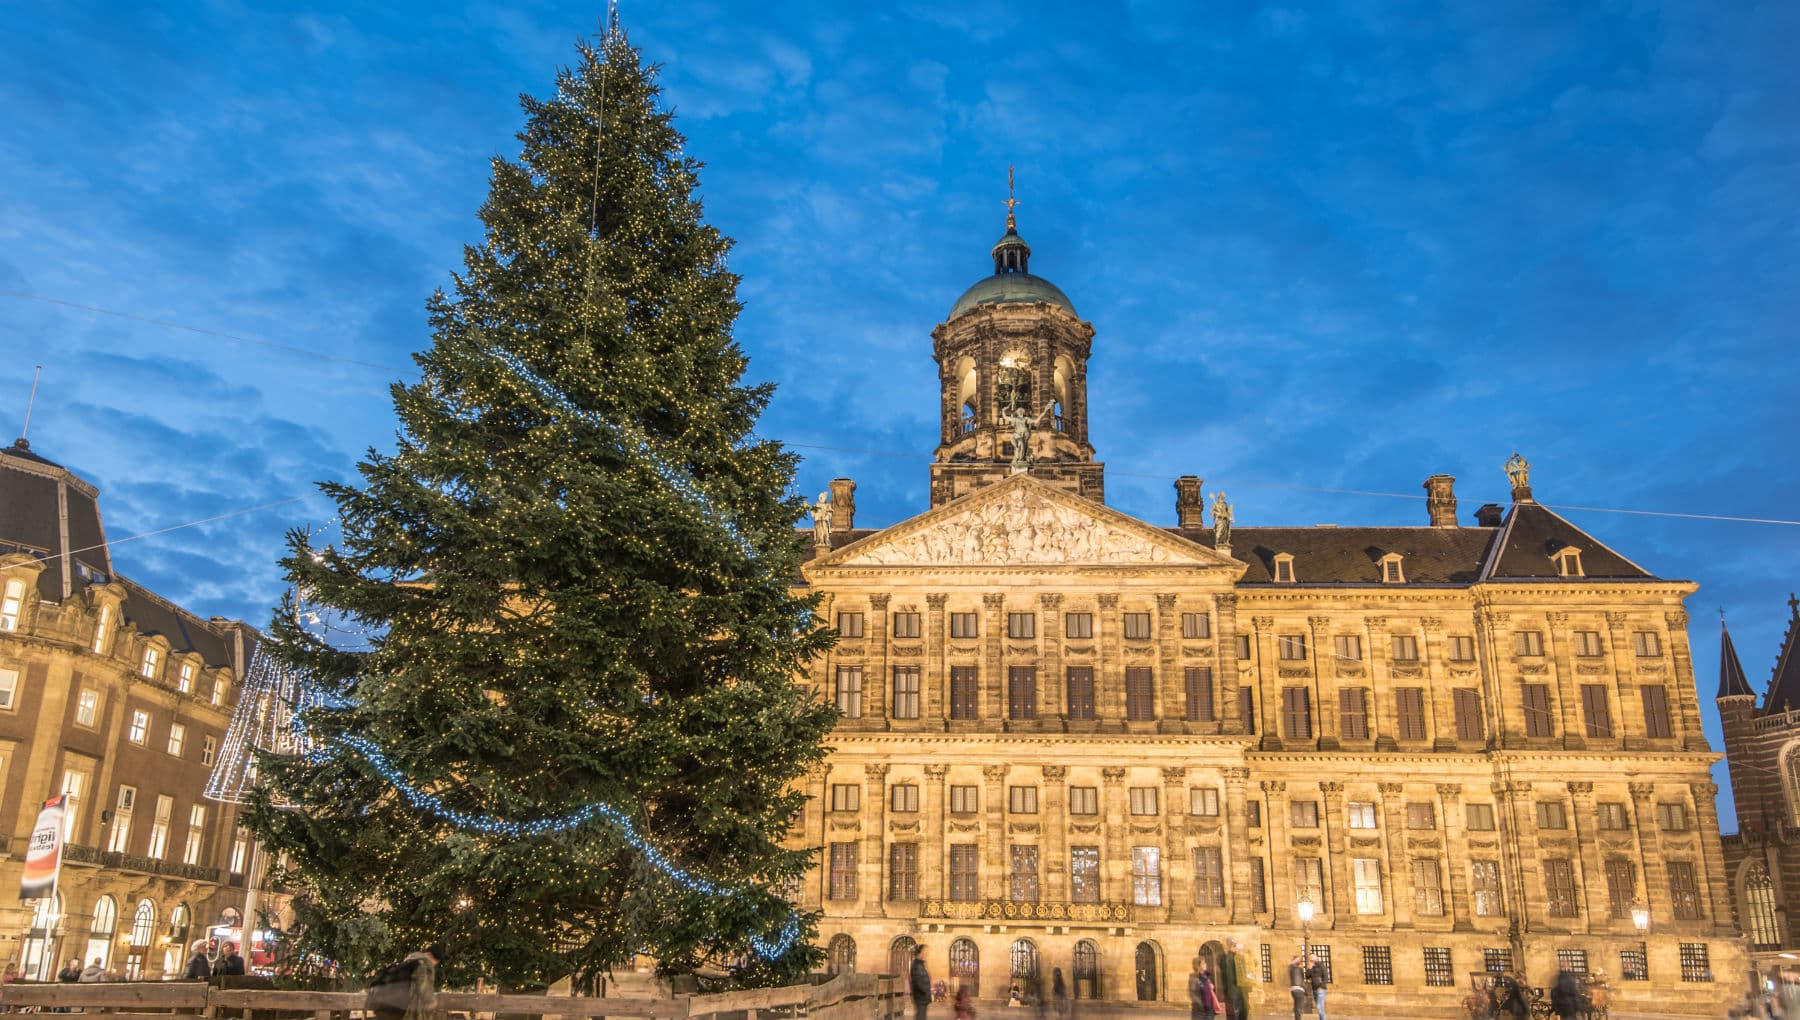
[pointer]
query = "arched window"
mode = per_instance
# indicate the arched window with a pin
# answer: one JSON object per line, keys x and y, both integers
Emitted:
{"x": 100, "y": 932}
{"x": 1791, "y": 767}
{"x": 843, "y": 955}
{"x": 1148, "y": 965}
{"x": 181, "y": 922}
{"x": 965, "y": 965}
{"x": 143, "y": 929}
{"x": 1087, "y": 970}
{"x": 900, "y": 954}
{"x": 1024, "y": 969}
{"x": 1759, "y": 908}
{"x": 39, "y": 963}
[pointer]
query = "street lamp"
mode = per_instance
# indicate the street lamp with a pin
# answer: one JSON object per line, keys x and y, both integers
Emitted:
{"x": 1304, "y": 910}
{"x": 1640, "y": 919}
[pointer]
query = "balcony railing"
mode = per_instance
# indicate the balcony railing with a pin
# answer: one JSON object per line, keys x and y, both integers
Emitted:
{"x": 1007, "y": 910}
{"x": 75, "y": 853}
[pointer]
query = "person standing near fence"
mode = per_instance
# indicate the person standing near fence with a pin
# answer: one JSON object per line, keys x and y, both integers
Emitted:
{"x": 199, "y": 968}
{"x": 919, "y": 980}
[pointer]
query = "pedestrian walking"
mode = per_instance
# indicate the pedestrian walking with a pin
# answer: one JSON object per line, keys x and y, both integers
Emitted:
{"x": 408, "y": 989}
{"x": 199, "y": 968}
{"x": 1203, "y": 999}
{"x": 1512, "y": 996}
{"x": 95, "y": 971}
{"x": 70, "y": 973}
{"x": 964, "y": 1007}
{"x": 920, "y": 982}
{"x": 1059, "y": 995}
{"x": 1297, "y": 984}
{"x": 1315, "y": 979}
{"x": 1565, "y": 994}
{"x": 231, "y": 964}
{"x": 1230, "y": 982}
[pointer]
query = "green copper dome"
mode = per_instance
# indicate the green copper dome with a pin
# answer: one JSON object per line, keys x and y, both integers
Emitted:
{"x": 1011, "y": 282}
{"x": 1011, "y": 288}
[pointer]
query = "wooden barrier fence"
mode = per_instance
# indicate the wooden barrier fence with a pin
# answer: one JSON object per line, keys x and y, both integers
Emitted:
{"x": 845, "y": 997}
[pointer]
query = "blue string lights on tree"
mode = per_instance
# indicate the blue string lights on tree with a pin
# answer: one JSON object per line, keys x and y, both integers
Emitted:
{"x": 272, "y": 707}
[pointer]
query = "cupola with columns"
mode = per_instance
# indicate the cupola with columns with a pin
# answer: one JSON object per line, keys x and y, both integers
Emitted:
{"x": 1012, "y": 363}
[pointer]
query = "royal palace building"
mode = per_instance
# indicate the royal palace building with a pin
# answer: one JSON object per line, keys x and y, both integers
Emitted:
{"x": 120, "y": 699}
{"x": 1073, "y": 740}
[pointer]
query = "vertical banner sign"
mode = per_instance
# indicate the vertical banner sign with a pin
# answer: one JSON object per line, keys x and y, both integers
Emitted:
{"x": 43, "y": 859}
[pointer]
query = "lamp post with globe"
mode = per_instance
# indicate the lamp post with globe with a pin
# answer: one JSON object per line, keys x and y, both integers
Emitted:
{"x": 1304, "y": 911}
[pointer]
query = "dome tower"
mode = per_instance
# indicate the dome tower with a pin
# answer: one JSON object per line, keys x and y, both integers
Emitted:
{"x": 1012, "y": 365}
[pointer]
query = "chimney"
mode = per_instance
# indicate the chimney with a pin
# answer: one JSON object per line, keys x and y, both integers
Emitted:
{"x": 843, "y": 504}
{"x": 1440, "y": 500}
{"x": 1188, "y": 503}
{"x": 1489, "y": 515}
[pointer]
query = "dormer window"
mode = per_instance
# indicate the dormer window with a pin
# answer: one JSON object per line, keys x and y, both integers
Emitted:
{"x": 102, "y": 630}
{"x": 185, "y": 681}
{"x": 1568, "y": 562}
{"x": 1284, "y": 568}
{"x": 1391, "y": 572}
{"x": 147, "y": 667}
{"x": 12, "y": 604}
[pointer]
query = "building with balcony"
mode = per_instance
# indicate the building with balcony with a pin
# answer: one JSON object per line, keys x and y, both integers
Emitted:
{"x": 119, "y": 698}
{"x": 1073, "y": 740}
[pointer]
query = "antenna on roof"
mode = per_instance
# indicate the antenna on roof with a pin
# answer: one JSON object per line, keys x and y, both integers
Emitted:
{"x": 29, "y": 403}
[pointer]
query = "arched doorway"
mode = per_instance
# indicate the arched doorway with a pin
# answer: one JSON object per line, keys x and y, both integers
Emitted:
{"x": 843, "y": 955}
{"x": 965, "y": 965}
{"x": 1759, "y": 903}
{"x": 1087, "y": 970}
{"x": 1212, "y": 953}
{"x": 1148, "y": 966}
{"x": 100, "y": 933}
{"x": 1024, "y": 967}
{"x": 181, "y": 927}
{"x": 900, "y": 954}
{"x": 143, "y": 930}
{"x": 39, "y": 963}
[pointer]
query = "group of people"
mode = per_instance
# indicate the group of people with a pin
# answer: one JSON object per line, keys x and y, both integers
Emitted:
{"x": 1218, "y": 994}
{"x": 1306, "y": 983}
{"x": 200, "y": 967}
{"x": 1059, "y": 1006}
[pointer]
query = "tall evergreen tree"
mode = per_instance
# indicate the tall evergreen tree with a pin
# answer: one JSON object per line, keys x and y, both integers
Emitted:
{"x": 577, "y": 565}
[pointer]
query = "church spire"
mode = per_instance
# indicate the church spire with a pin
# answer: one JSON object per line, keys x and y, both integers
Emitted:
{"x": 1784, "y": 686}
{"x": 1011, "y": 253}
{"x": 1732, "y": 683}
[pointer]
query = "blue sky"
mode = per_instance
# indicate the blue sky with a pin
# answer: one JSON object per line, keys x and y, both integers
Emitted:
{"x": 1324, "y": 246}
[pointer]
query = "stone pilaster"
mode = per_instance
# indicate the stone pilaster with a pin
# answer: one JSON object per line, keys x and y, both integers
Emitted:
{"x": 1331, "y": 822}
{"x": 1109, "y": 664}
{"x": 1179, "y": 864}
{"x": 1324, "y": 685}
{"x": 1052, "y": 688}
{"x": 934, "y": 874}
{"x": 1395, "y": 836}
{"x": 1715, "y": 889}
{"x": 993, "y": 662}
{"x": 934, "y": 685}
{"x": 1169, "y": 711}
{"x": 1382, "y": 724}
{"x": 874, "y": 862}
{"x": 1590, "y": 874}
{"x": 1626, "y": 703}
{"x": 1225, "y": 664}
{"x": 1514, "y": 811}
{"x": 1268, "y": 693}
{"x": 995, "y": 866}
{"x": 1454, "y": 861}
{"x": 818, "y": 781}
{"x": 1558, "y": 643}
{"x": 1115, "y": 859}
{"x": 1237, "y": 847}
{"x": 1440, "y": 707}
{"x": 1684, "y": 713}
{"x": 878, "y": 677}
{"x": 1053, "y": 801}
{"x": 1650, "y": 853}
{"x": 1283, "y": 892}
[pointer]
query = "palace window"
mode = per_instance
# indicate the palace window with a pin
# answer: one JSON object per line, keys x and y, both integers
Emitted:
{"x": 1022, "y": 877}
{"x": 1568, "y": 562}
{"x": 147, "y": 667}
{"x": 1572, "y": 960}
{"x": 1303, "y": 814}
{"x": 1656, "y": 710}
{"x": 1428, "y": 887}
{"x": 1243, "y": 646}
{"x": 1684, "y": 890}
{"x": 1409, "y": 713}
{"x": 1646, "y": 643}
{"x": 1021, "y": 626}
{"x": 1080, "y": 703}
{"x": 1696, "y": 964}
{"x": 1253, "y": 814}
{"x": 842, "y": 884}
{"x": 1378, "y": 965}
{"x": 140, "y": 727}
{"x": 1140, "y": 694}
{"x": 1438, "y": 972}
{"x": 159, "y": 827}
{"x": 903, "y": 871}
{"x": 1391, "y": 571}
{"x": 1209, "y": 877}
{"x": 1143, "y": 800}
{"x": 1672, "y": 817}
{"x": 1204, "y": 801}
{"x": 1421, "y": 814}
{"x": 1021, "y": 692}
{"x": 1309, "y": 882}
{"x": 1634, "y": 965}
{"x": 1479, "y": 817}
{"x": 1484, "y": 888}
{"x": 1259, "y": 887}
{"x": 965, "y": 872}
{"x": 1347, "y": 647}
{"x": 1084, "y": 874}
{"x": 184, "y": 680}
{"x": 87, "y": 707}
{"x": 965, "y": 693}
{"x": 964, "y": 626}
{"x": 118, "y": 838}
{"x": 1291, "y": 647}
{"x": 1199, "y": 690}
{"x": 906, "y": 625}
{"x": 1365, "y": 878}
{"x": 1284, "y": 568}
{"x": 1353, "y": 713}
{"x": 1529, "y": 642}
{"x": 1362, "y": 815}
{"x": 846, "y": 797}
{"x": 1559, "y": 886}
{"x": 903, "y": 797}
{"x": 1146, "y": 876}
{"x": 1084, "y": 800}
{"x": 1621, "y": 885}
{"x": 906, "y": 692}
{"x": 102, "y": 630}
{"x": 196, "y": 835}
{"x": 1759, "y": 897}
{"x": 12, "y": 604}
{"x": 849, "y": 691}
{"x": 1588, "y": 645}
{"x": 220, "y": 685}
{"x": 1021, "y": 800}
{"x": 1610, "y": 816}
{"x": 1595, "y": 716}
{"x": 1465, "y": 702}
{"x": 1078, "y": 626}
{"x": 1405, "y": 648}
{"x": 850, "y": 625}
{"x": 1462, "y": 648}
{"x": 177, "y": 738}
{"x": 1296, "y": 713}
{"x": 1536, "y": 702}
{"x": 1550, "y": 815}
{"x": 1137, "y": 626}
{"x": 1497, "y": 961}
{"x": 209, "y": 750}
{"x": 965, "y": 800}
{"x": 1195, "y": 626}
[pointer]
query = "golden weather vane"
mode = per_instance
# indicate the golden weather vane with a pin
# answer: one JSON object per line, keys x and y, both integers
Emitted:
{"x": 1011, "y": 223}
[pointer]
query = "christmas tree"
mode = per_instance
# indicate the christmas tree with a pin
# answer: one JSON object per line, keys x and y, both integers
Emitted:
{"x": 577, "y": 730}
